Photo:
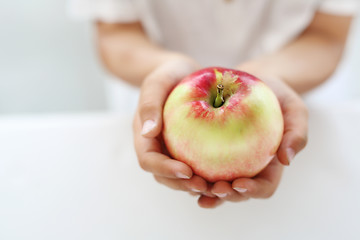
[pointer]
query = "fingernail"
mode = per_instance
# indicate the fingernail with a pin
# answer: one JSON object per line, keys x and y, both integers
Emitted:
{"x": 195, "y": 190}
{"x": 148, "y": 126}
{"x": 290, "y": 154}
{"x": 221, "y": 195}
{"x": 181, "y": 175}
{"x": 240, "y": 190}
{"x": 208, "y": 194}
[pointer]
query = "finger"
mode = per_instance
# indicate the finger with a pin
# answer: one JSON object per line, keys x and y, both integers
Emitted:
{"x": 295, "y": 128}
{"x": 208, "y": 192}
{"x": 295, "y": 118}
{"x": 195, "y": 194}
{"x": 196, "y": 184}
{"x": 224, "y": 191}
{"x": 163, "y": 166}
{"x": 151, "y": 159}
{"x": 263, "y": 185}
{"x": 154, "y": 92}
{"x": 259, "y": 188}
{"x": 209, "y": 202}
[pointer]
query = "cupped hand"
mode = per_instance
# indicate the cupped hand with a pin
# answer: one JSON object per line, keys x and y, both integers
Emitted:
{"x": 294, "y": 139}
{"x": 153, "y": 157}
{"x": 147, "y": 126}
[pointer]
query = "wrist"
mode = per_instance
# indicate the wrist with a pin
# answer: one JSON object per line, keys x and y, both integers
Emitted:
{"x": 175, "y": 65}
{"x": 270, "y": 77}
{"x": 178, "y": 58}
{"x": 260, "y": 71}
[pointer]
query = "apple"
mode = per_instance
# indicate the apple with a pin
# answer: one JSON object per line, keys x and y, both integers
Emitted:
{"x": 223, "y": 123}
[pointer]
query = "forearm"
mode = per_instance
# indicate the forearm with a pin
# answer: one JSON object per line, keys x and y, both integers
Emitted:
{"x": 127, "y": 52}
{"x": 303, "y": 64}
{"x": 309, "y": 60}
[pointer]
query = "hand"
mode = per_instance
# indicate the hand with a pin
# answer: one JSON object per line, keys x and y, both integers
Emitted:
{"x": 265, "y": 183}
{"x": 147, "y": 126}
{"x": 153, "y": 156}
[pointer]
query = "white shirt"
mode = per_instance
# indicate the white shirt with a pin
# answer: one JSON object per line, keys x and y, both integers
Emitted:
{"x": 216, "y": 32}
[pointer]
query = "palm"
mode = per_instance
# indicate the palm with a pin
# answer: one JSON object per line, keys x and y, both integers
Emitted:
{"x": 154, "y": 157}
{"x": 265, "y": 183}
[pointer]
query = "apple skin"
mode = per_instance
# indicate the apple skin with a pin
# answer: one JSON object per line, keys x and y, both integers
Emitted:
{"x": 237, "y": 139}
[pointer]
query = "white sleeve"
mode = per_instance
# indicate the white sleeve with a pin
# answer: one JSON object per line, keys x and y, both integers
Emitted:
{"x": 340, "y": 7}
{"x": 110, "y": 11}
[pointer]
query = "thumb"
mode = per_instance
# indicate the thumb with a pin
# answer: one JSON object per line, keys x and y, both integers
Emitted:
{"x": 155, "y": 90}
{"x": 295, "y": 131}
{"x": 293, "y": 142}
{"x": 153, "y": 94}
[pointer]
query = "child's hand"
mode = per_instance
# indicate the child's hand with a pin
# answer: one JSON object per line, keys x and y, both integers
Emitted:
{"x": 265, "y": 183}
{"x": 154, "y": 158}
{"x": 147, "y": 127}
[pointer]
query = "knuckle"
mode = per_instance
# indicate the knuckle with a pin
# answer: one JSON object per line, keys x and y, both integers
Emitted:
{"x": 158, "y": 179}
{"x": 159, "y": 78}
{"x": 301, "y": 140}
{"x": 243, "y": 199}
{"x": 304, "y": 140}
{"x": 297, "y": 140}
{"x": 246, "y": 198}
{"x": 144, "y": 164}
{"x": 149, "y": 79}
{"x": 162, "y": 79}
{"x": 236, "y": 199}
{"x": 147, "y": 106}
{"x": 175, "y": 185}
{"x": 269, "y": 194}
{"x": 168, "y": 79}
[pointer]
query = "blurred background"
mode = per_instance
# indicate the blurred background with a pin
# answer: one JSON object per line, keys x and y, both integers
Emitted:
{"x": 49, "y": 63}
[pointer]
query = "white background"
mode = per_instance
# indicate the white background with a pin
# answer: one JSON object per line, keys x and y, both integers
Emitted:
{"x": 75, "y": 176}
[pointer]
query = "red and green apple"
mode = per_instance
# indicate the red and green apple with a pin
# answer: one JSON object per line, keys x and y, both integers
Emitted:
{"x": 223, "y": 123}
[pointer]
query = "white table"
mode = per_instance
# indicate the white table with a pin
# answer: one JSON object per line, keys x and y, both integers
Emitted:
{"x": 76, "y": 176}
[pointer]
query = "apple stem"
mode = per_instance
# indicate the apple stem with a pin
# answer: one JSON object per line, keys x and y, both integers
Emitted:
{"x": 219, "y": 100}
